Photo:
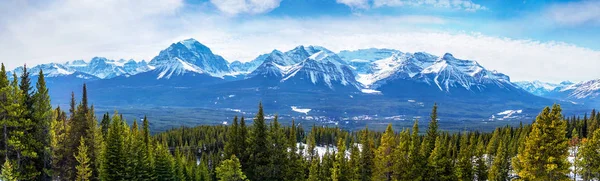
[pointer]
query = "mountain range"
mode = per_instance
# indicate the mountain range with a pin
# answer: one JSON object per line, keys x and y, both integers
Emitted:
{"x": 343, "y": 85}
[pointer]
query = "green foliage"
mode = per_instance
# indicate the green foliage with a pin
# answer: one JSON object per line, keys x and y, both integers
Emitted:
{"x": 84, "y": 173}
{"x": 8, "y": 172}
{"x": 546, "y": 149}
{"x": 588, "y": 159}
{"x": 230, "y": 170}
{"x": 384, "y": 162}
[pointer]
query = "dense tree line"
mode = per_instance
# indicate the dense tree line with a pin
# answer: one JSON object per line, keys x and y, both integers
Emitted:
{"x": 44, "y": 143}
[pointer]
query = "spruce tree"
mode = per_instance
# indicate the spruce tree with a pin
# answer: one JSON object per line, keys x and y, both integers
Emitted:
{"x": 384, "y": 162}
{"x": 19, "y": 124}
{"x": 546, "y": 149}
{"x": 367, "y": 156}
{"x": 481, "y": 170}
{"x": 439, "y": 164}
{"x": 417, "y": 162}
{"x": 163, "y": 170}
{"x": 296, "y": 167}
{"x": 588, "y": 159}
{"x": 42, "y": 118}
{"x": 115, "y": 161}
{"x": 232, "y": 135}
{"x": 354, "y": 163}
{"x": 58, "y": 144}
{"x": 464, "y": 165}
{"x": 432, "y": 134}
{"x": 402, "y": 157}
{"x": 84, "y": 172}
{"x": 500, "y": 167}
{"x": 340, "y": 171}
{"x": 258, "y": 148}
{"x": 278, "y": 149}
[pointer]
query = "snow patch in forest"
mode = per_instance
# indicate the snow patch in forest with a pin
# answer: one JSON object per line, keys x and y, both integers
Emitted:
{"x": 296, "y": 109}
{"x": 370, "y": 91}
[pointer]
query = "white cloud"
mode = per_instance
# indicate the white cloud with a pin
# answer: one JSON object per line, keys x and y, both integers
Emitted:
{"x": 73, "y": 29}
{"x": 41, "y": 31}
{"x": 356, "y": 4}
{"x": 575, "y": 13}
{"x": 234, "y": 7}
{"x": 466, "y": 5}
{"x": 518, "y": 58}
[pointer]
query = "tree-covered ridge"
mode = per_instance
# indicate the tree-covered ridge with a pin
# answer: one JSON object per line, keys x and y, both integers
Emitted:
{"x": 39, "y": 142}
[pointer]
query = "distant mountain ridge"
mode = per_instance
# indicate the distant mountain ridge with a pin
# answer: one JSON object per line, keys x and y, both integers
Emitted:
{"x": 188, "y": 73}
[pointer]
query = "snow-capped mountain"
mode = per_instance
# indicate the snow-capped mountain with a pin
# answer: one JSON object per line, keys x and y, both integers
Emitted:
{"x": 189, "y": 56}
{"x": 50, "y": 70}
{"x": 448, "y": 72}
{"x": 587, "y": 91}
{"x": 445, "y": 73}
{"x": 361, "y": 59}
{"x": 540, "y": 88}
{"x": 279, "y": 63}
{"x": 98, "y": 67}
{"x": 323, "y": 67}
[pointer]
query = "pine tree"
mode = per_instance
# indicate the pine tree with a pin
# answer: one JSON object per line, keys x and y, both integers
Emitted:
{"x": 481, "y": 170}
{"x": 8, "y": 172}
{"x": 296, "y": 166}
{"x": 339, "y": 166}
{"x": 417, "y": 162}
{"x": 242, "y": 144}
{"x": 58, "y": 144}
{"x": 546, "y": 149}
{"x": 259, "y": 155}
{"x": 367, "y": 156}
{"x": 105, "y": 124}
{"x": 354, "y": 163}
{"x": 232, "y": 135}
{"x": 42, "y": 118}
{"x": 278, "y": 162}
{"x": 402, "y": 157}
{"x": 314, "y": 170}
{"x": 115, "y": 161}
{"x": 588, "y": 159}
{"x": 164, "y": 164}
{"x": 439, "y": 164}
{"x": 500, "y": 167}
{"x": 25, "y": 86}
{"x": 146, "y": 155}
{"x": 19, "y": 124}
{"x": 230, "y": 170}
{"x": 432, "y": 134}
{"x": 384, "y": 163}
{"x": 84, "y": 172}
{"x": 464, "y": 165}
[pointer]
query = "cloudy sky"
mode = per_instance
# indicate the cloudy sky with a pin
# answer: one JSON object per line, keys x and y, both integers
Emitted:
{"x": 528, "y": 40}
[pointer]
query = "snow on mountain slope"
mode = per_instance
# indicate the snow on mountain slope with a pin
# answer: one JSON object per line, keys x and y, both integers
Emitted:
{"x": 583, "y": 90}
{"x": 178, "y": 67}
{"x": 279, "y": 63}
{"x": 444, "y": 72}
{"x": 323, "y": 67}
{"x": 361, "y": 59}
{"x": 541, "y": 88}
{"x": 189, "y": 55}
{"x": 50, "y": 70}
{"x": 99, "y": 67}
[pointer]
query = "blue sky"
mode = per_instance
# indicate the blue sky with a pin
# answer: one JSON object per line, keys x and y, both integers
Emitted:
{"x": 528, "y": 40}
